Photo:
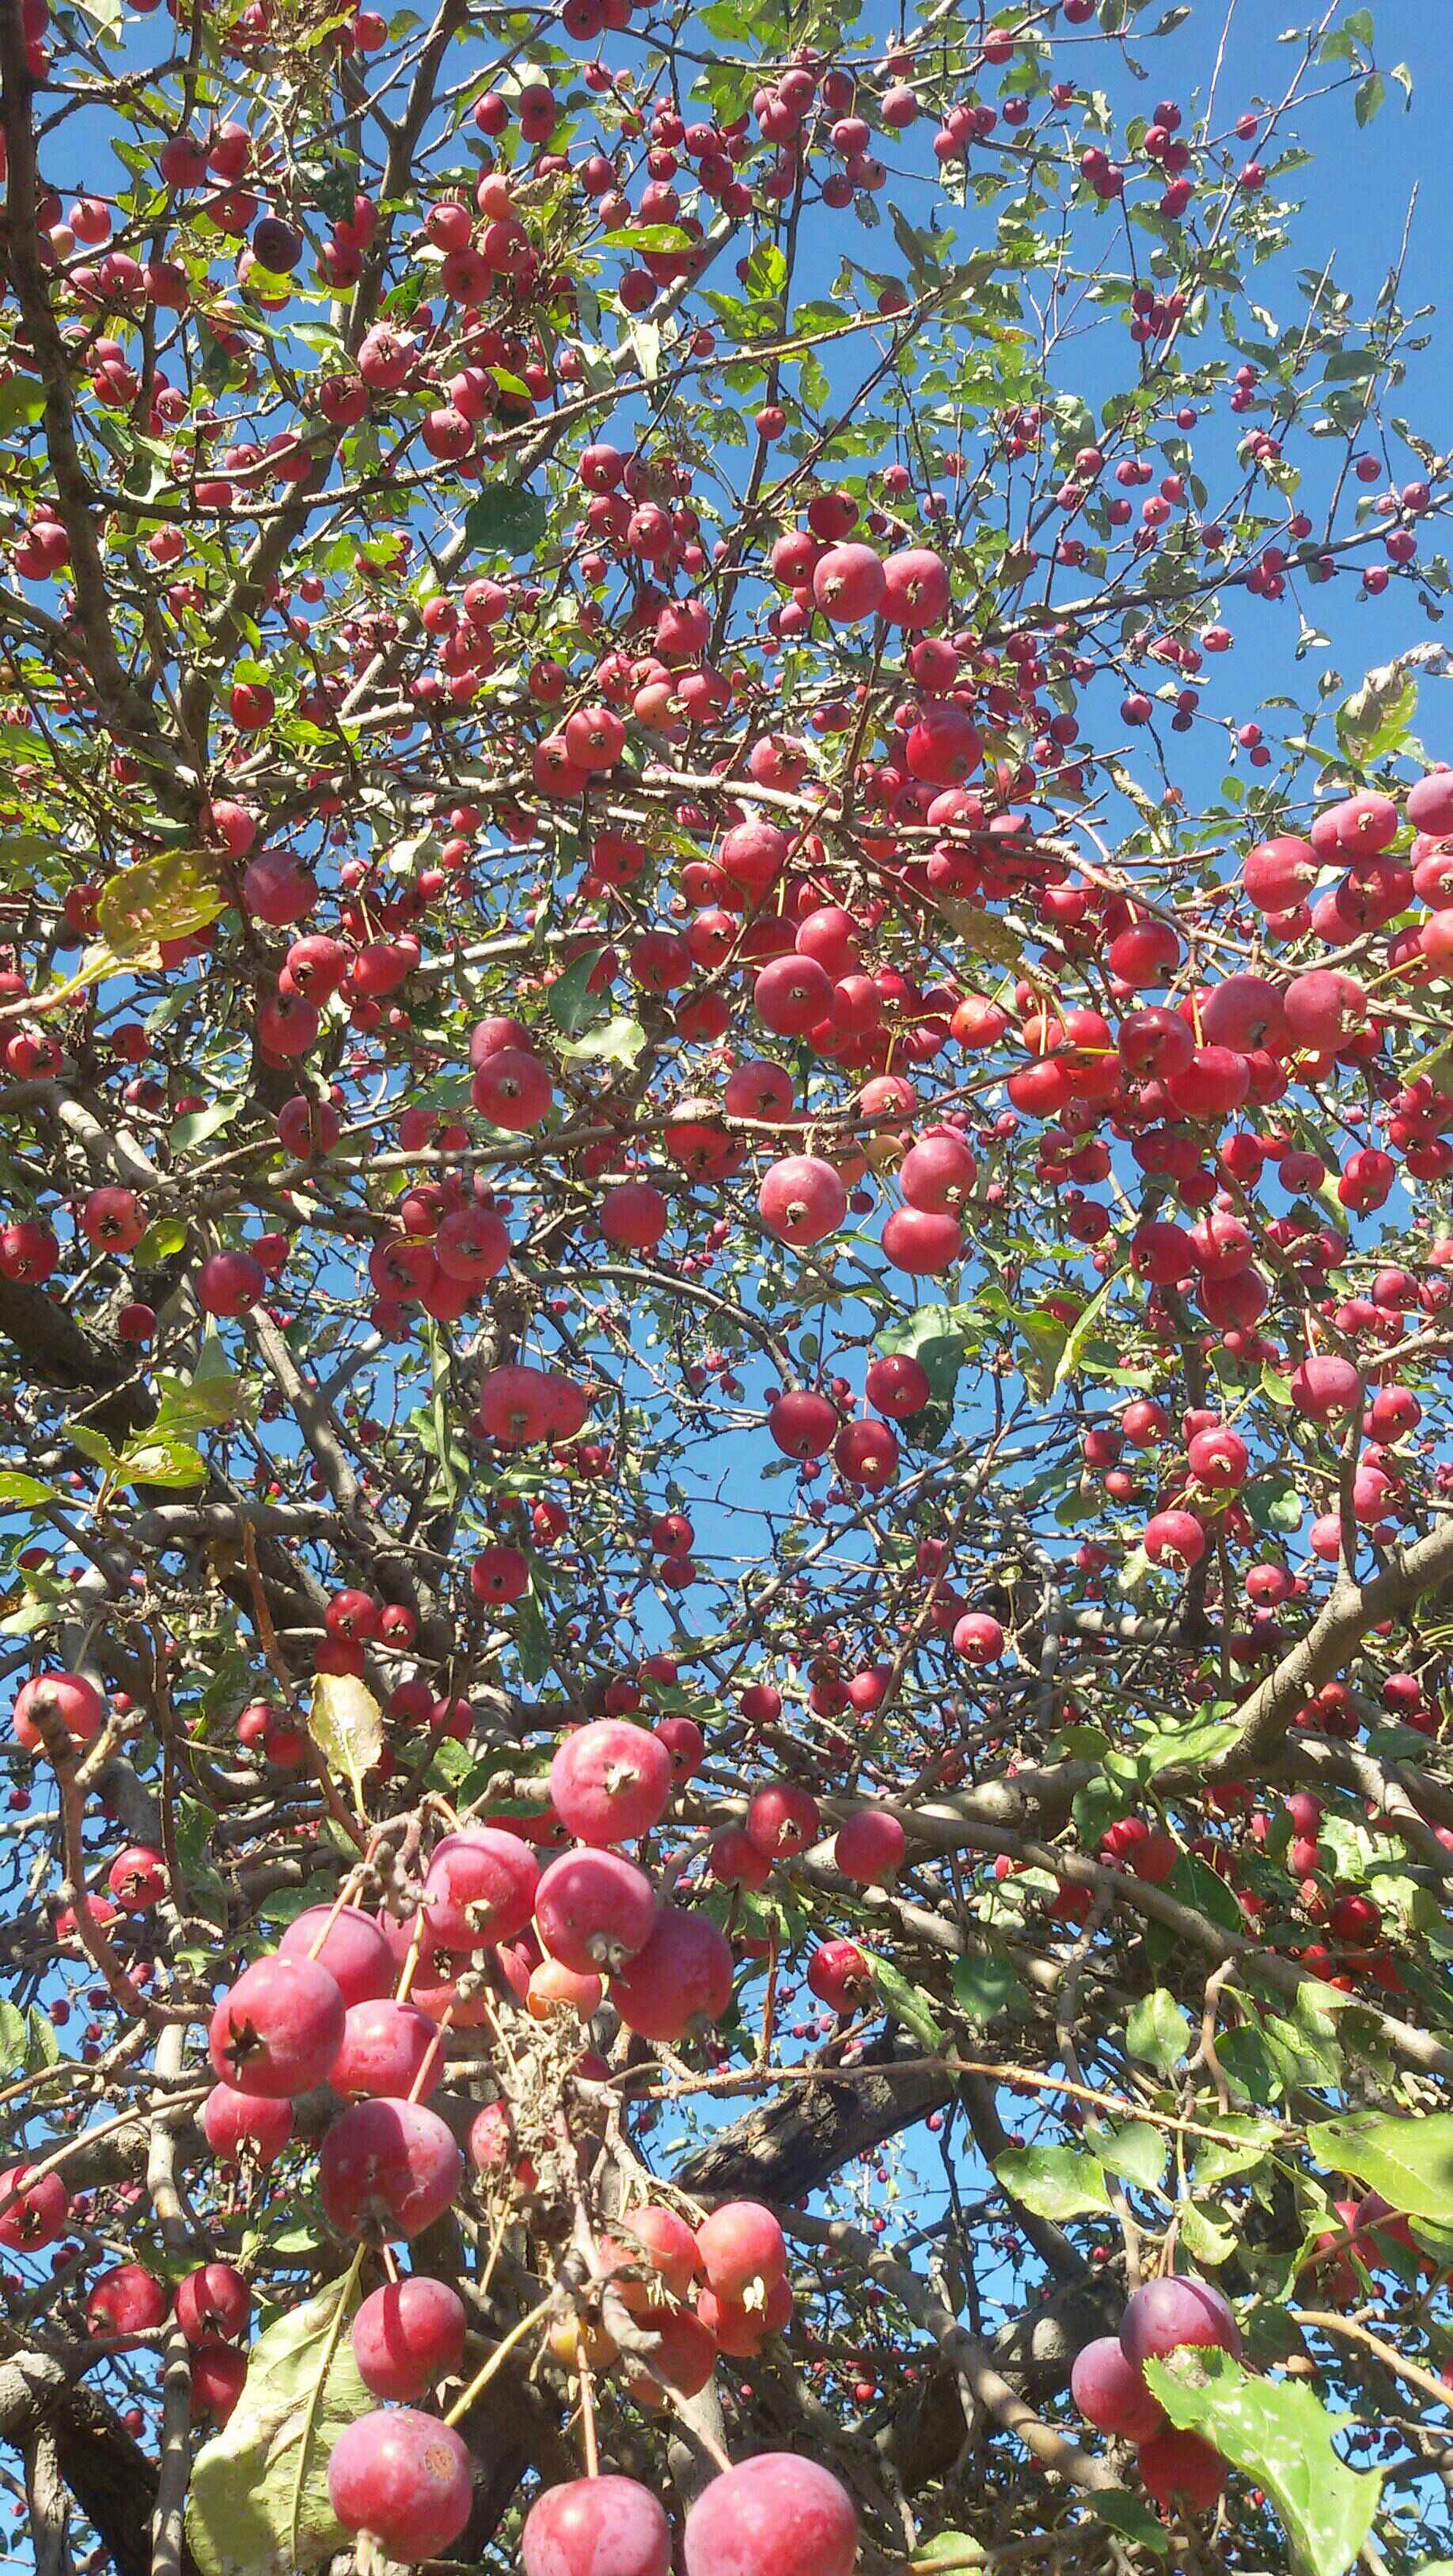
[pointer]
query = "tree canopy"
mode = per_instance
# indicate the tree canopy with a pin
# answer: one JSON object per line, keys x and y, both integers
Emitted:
{"x": 726, "y": 1115}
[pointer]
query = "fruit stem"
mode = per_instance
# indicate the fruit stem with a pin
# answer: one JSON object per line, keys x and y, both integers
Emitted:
{"x": 485, "y": 2374}
{"x": 430, "y": 2053}
{"x": 412, "y": 1961}
{"x": 587, "y": 2416}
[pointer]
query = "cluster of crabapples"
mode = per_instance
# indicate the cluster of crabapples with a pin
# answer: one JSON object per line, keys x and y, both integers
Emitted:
{"x": 360, "y": 2002}
{"x": 1172, "y": 2314}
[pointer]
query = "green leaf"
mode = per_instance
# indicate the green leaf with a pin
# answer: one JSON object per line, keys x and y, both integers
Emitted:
{"x": 1198, "y": 1741}
{"x": 569, "y": 1000}
{"x": 985, "y": 1988}
{"x": 93, "y": 1445}
{"x": 1079, "y": 1334}
{"x": 346, "y": 1723}
{"x": 1369, "y": 97}
{"x": 203, "y": 1401}
{"x": 647, "y": 237}
{"x": 615, "y": 1041}
{"x": 1158, "y": 2031}
{"x": 1054, "y": 2182}
{"x": 239, "y": 2510}
{"x": 160, "y": 1241}
{"x": 905, "y": 2001}
{"x": 505, "y": 520}
{"x": 1195, "y": 1882}
{"x": 13, "y": 2037}
{"x": 21, "y": 405}
{"x": 1203, "y": 2240}
{"x": 1136, "y": 2151}
{"x": 160, "y": 1461}
{"x": 645, "y": 339}
{"x": 1217, "y": 2159}
{"x": 1277, "y": 2433}
{"x": 1131, "y": 2515}
{"x": 42, "y": 2048}
{"x": 1409, "y": 2161}
{"x": 25, "y": 1493}
{"x": 930, "y": 1336}
{"x": 1378, "y": 717}
{"x": 199, "y": 1124}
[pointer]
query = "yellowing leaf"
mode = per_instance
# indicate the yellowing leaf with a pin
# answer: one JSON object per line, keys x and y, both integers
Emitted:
{"x": 984, "y": 933}
{"x": 158, "y": 899}
{"x": 241, "y": 2516}
{"x": 346, "y": 1724}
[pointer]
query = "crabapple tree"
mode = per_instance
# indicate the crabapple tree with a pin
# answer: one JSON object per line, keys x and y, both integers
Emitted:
{"x": 726, "y": 1282}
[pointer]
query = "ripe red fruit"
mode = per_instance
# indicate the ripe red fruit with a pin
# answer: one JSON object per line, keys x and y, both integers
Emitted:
{"x": 1218, "y": 1456}
{"x": 681, "y": 1975}
{"x": 848, "y": 583}
{"x": 802, "y": 1423}
{"x": 213, "y": 2304}
{"x": 921, "y": 1243}
{"x": 1111, "y": 2393}
{"x": 243, "y": 2126}
{"x": 126, "y": 2302}
{"x": 278, "y": 2029}
{"x": 938, "y": 1173}
{"x": 386, "y": 2047}
{"x": 839, "y": 1975}
{"x": 1174, "y": 1538}
{"x": 1278, "y": 873}
{"x": 801, "y": 1199}
{"x": 735, "y": 1862}
{"x": 68, "y": 1698}
{"x": 1179, "y": 2468}
{"x": 742, "y": 2331}
{"x": 1354, "y": 1919}
{"x": 1325, "y": 1385}
{"x": 775, "y": 2514}
{"x": 782, "y": 1820}
{"x": 604, "y": 2526}
{"x": 113, "y": 1219}
{"x": 407, "y": 2337}
{"x": 683, "y": 2359}
{"x": 137, "y": 1878}
{"x": 480, "y": 1888}
{"x": 595, "y": 1911}
{"x": 37, "y": 2212}
{"x": 685, "y": 1746}
{"x": 1162, "y": 2316}
{"x": 513, "y": 1090}
{"x": 869, "y": 1847}
{"x": 404, "y": 2478}
{"x": 610, "y": 1782}
{"x": 742, "y": 2249}
{"x": 979, "y": 1638}
{"x": 897, "y": 1385}
{"x": 655, "y": 2240}
{"x": 219, "y": 2374}
{"x": 634, "y": 1215}
{"x": 916, "y": 589}
{"x": 791, "y": 995}
{"x": 229, "y": 1283}
{"x": 388, "y": 2165}
{"x": 352, "y": 1948}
